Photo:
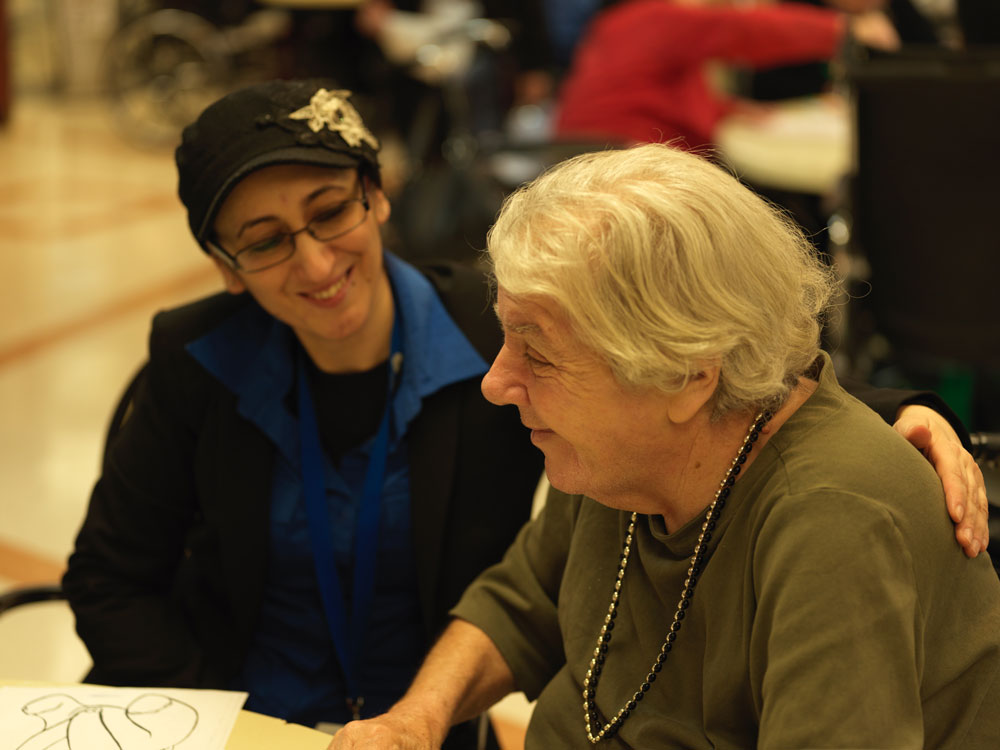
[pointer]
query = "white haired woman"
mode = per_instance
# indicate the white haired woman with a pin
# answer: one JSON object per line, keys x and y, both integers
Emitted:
{"x": 738, "y": 553}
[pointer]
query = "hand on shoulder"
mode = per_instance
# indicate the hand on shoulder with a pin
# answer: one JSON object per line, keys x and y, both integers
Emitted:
{"x": 964, "y": 487}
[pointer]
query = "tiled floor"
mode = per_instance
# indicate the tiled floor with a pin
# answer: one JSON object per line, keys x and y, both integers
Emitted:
{"x": 92, "y": 241}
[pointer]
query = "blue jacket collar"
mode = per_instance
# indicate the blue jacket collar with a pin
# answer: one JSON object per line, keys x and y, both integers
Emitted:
{"x": 252, "y": 355}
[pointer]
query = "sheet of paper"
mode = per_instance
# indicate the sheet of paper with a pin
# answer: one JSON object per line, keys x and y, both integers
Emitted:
{"x": 91, "y": 717}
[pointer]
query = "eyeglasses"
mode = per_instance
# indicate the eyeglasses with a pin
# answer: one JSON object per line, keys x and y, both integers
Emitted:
{"x": 329, "y": 225}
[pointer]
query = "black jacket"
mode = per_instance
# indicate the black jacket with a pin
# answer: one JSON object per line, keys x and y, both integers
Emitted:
{"x": 168, "y": 571}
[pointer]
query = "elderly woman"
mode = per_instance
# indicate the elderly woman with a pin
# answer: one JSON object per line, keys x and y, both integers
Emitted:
{"x": 739, "y": 553}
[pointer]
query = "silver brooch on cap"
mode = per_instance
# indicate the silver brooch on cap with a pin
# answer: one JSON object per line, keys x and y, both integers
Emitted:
{"x": 331, "y": 109}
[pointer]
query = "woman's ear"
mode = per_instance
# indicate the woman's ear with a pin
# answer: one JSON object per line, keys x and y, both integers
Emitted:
{"x": 234, "y": 284}
{"x": 379, "y": 203}
{"x": 697, "y": 392}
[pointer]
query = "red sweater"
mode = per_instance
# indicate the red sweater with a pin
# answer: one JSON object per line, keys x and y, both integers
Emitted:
{"x": 639, "y": 72}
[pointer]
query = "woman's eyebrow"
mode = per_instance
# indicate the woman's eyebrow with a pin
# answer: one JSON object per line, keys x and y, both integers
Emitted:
{"x": 255, "y": 222}
{"x": 323, "y": 189}
{"x": 306, "y": 201}
{"x": 532, "y": 334}
{"x": 525, "y": 329}
{"x": 521, "y": 329}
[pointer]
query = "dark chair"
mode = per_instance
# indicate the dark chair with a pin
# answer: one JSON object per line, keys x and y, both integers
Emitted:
{"x": 923, "y": 201}
{"x": 29, "y": 595}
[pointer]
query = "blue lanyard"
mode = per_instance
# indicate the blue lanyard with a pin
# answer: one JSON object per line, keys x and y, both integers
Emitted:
{"x": 347, "y": 633}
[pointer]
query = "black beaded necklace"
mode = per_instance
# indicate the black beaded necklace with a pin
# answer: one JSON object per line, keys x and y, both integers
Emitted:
{"x": 591, "y": 716}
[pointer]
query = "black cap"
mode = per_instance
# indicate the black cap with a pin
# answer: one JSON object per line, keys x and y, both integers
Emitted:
{"x": 277, "y": 122}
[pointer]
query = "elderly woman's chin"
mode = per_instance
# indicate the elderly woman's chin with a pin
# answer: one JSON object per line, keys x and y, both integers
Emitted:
{"x": 603, "y": 484}
{"x": 562, "y": 468}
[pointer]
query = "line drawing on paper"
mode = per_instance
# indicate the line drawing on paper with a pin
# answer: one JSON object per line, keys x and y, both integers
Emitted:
{"x": 149, "y": 722}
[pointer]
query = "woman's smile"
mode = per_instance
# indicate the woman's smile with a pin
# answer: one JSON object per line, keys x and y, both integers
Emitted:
{"x": 331, "y": 295}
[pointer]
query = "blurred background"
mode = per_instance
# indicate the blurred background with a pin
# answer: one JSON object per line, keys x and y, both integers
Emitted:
{"x": 883, "y": 144}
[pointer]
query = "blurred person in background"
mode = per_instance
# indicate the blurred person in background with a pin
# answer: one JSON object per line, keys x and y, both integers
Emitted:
{"x": 640, "y": 73}
{"x": 953, "y": 24}
{"x": 310, "y": 476}
{"x": 493, "y": 55}
{"x": 649, "y": 71}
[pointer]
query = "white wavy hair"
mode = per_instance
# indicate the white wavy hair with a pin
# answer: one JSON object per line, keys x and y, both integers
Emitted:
{"x": 665, "y": 264}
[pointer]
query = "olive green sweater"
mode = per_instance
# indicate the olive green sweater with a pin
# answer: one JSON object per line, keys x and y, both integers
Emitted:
{"x": 836, "y": 609}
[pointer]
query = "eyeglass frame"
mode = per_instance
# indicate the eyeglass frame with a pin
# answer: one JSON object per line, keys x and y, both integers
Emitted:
{"x": 232, "y": 260}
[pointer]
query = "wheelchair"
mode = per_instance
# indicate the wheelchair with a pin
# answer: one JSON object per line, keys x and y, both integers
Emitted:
{"x": 164, "y": 65}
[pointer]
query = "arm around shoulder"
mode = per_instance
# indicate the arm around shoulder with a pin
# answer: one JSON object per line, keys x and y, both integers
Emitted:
{"x": 932, "y": 427}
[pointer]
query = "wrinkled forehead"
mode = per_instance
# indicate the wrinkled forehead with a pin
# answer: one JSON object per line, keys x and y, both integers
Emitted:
{"x": 541, "y": 320}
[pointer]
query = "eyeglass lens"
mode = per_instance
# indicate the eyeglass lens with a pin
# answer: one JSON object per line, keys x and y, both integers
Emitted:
{"x": 279, "y": 246}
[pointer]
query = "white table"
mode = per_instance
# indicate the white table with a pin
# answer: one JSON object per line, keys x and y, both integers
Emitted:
{"x": 804, "y": 145}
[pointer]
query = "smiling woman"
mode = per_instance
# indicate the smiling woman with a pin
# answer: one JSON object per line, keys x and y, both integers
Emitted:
{"x": 309, "y": 476}
{"x": 333, "y": 291}
{"x": 662, "y": 338}
{"x": 562, "y": 389}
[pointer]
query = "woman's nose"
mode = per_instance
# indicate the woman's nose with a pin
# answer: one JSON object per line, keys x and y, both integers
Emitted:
{"x": 502, "y": 384}
{"x": 314, "y": 258}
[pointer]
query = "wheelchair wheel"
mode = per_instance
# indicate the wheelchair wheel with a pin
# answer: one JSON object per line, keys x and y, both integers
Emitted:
{"x": 161, "y": 70}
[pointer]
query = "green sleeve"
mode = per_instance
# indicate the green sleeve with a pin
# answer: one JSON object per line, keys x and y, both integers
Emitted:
{"x": 514, "y": 602}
